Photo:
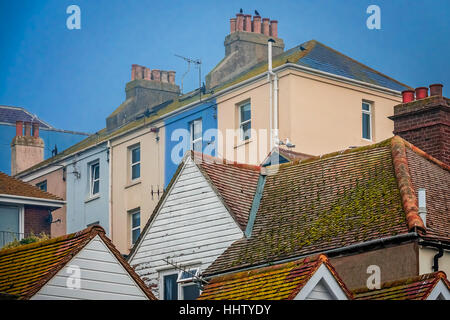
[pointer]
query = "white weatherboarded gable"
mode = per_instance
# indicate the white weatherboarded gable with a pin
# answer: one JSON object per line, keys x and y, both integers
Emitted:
{"x": 440, "y": 292}
{"x": 322, "y": 286}
{"x": 191, "y": 228}
{"x": 102, "y": 277}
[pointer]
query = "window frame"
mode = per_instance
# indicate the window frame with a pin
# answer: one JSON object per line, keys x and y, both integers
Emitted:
{"x": 42, "y": 183}
{"x": 92, "y": 179}
{"x": 132, "y": 164}
{"x": 192, "y": 131}
{"x": 180, "y": 284}
{"x": 131, "y": 213}
{"x": 370, "y": 114}
{"x": 242, "y": 123}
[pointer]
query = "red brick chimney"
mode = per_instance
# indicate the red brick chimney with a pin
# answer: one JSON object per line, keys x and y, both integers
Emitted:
{"x": 26, "y": 149}
{"x": 425, "y": 122}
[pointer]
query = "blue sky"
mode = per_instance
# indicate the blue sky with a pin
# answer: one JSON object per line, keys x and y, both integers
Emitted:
{"x": 74, "y": 79}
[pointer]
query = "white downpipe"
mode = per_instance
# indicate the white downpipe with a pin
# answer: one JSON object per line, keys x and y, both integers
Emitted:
{"x": 110, "y": 190}
{"x": 273, "y": 98}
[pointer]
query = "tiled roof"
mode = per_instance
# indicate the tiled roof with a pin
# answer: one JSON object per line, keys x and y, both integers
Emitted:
{"x": 10, "y": 115}
{"x": 333, "y": 201}
{"x": 278, "y": 282}
{"x": 24, "y": 270}
{"x": 281, "y": 155}
{"x": 416, "y": 288}
{"x": 235, "y": 184}
{"x": 15, "y": 187}
{"x": 324, "y": 58}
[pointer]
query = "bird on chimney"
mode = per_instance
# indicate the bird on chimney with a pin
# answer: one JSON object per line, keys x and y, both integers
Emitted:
{"x": 241, "y": 11}
{"x": 257, "y": 13}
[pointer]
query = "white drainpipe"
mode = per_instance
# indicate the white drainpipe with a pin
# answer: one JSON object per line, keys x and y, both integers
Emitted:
{"x": 423, "y": 206}
{"x": 273, "y": 98}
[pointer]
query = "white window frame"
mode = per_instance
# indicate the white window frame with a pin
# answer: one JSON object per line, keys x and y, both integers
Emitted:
{"x": 370, "y": 113}
{"x": 181, "y": 283}
{"x": 193, "y": 141}
{"x": 21, "y": 218}
{"x": 138, "y": 146}
{"x": 242, "y": 123}
{"x": 92, "y": 180}
{"x": 131, "y": 213}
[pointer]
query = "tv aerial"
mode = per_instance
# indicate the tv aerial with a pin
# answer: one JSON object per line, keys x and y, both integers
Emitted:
{"x": 198, "y": 64}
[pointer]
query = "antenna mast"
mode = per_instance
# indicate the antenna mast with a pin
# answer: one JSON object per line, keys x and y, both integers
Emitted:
{"x": 198, "y": 63}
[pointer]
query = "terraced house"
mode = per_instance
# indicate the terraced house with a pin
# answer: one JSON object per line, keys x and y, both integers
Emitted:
{"x": 251, "y": 103}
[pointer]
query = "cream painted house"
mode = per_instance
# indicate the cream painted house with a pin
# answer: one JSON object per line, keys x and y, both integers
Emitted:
{"x": 318, "y": 112}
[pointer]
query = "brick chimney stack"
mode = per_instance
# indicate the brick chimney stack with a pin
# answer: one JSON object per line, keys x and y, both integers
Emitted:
{"x": 424, "y": 121}
{"x": 26, "y": 149}
{"x": 146, "y": 90}
{"x": 245, "y": 46}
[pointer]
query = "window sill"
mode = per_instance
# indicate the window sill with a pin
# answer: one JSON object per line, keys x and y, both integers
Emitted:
{"x": 92, "y": 198}
{"x": 367, "y": 140}
{"x": 243, "y": 143}
{"x": 133, "y": 183}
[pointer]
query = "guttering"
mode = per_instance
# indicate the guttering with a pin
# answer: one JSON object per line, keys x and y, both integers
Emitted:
{"x": 8, "y": 198}
{"x": 332, "y": 252}
{"x": 438, "y": 245}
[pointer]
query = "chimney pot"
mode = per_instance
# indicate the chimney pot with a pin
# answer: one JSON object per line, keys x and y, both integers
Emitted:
{"x": 248, "y": 23}
{"x": 156, "y": 75}
{"x": 27, "y": 129}
{"x": 19, "y": 128}
{"x": 257, "y": 24}
{"x": 171, "y": 77}
{"x": 408, "y": 96}
{"x": 421, "y": 93}
{"x": 265, "y": 26}
{"x": 147, "y": 74}
{"x": 36, "y": 129}
{"x": 436, "y": 89}
{"x": 164, "y": 76}
{"x": 274, "y": 28}
{"x": 239, "y": 22}
{"x": 232, "y": 25}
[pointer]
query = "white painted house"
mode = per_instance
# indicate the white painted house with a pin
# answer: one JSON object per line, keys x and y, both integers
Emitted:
{"x": 79, "y": 266}
{"x": 204, "y": 210}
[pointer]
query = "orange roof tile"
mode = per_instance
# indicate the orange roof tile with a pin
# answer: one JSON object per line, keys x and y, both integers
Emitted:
{"x": 15, "y": 187}
{"x": 278, "y": 282}
{"x": 415, "y": 288}
{"x": 341, "y": 199}
{"x": 24, "y": 270}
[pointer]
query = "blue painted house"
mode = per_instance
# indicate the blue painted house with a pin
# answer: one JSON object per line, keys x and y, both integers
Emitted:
{"x": 192, "y": 129}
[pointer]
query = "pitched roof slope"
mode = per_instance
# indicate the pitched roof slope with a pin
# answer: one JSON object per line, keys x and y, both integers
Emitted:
{"x": 416, "y": 288}
{"x": 324, "y": 58}
{"x": 278, "y": 282}
{"x": 235, "y": 183}
{"x": 24, "y": 270}
{"x": 15, "y": 187}
{"x": 333, "y": 201}
{"x": 10, "y": 114}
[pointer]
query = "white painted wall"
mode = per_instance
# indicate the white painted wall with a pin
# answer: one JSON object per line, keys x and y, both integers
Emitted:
{"x": 191, "y": 228}
{"x": 102, "y": 278}
{"x": 426, "y": 255}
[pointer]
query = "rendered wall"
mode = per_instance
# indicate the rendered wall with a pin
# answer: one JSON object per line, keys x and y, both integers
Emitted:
{"x": 318, "y": 115}
{"x": 82, "y": 208}
{"x": 127, "y": 195}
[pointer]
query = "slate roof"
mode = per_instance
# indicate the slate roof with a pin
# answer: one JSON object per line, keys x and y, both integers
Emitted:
{"x": 278, "y": 282}
{"x": 15, "y": 187}
{"x": 10, "y": 115}
{"x": 24, "y": 270}
{"x": 324, "y": 58}
{"x": 415, "y": 288}
{"x": 235, "y": 184}
{"x": 337, "y": 200}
